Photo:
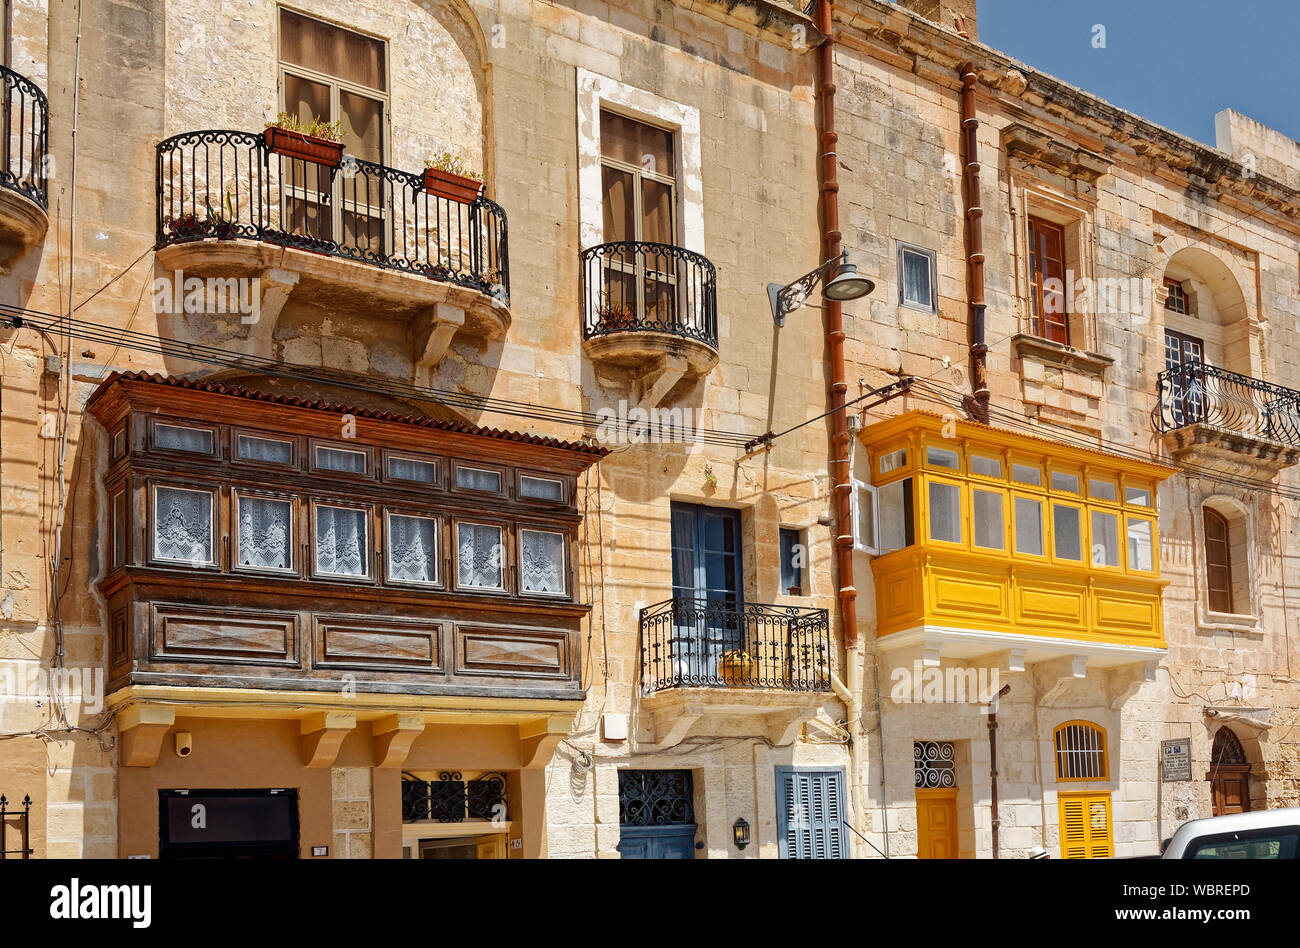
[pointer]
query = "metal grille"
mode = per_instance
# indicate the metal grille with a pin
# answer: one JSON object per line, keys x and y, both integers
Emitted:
{"x": 655, "y": 797}
{"x": 23, "y": 820}
{"x": 25, "y": 142}
{"x": 933, "y": 765}
{"x": 644, "y": 286}
{"x": 1080, "y": 752}
{"x": 1195, "y": 393}
{"x": 452, "y": 799}
{"x": 1227, "y": 749}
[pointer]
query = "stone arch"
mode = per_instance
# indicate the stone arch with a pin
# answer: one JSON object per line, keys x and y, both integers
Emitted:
{"x": 1240, "y": 747}
{"x": 1224, "y": 314}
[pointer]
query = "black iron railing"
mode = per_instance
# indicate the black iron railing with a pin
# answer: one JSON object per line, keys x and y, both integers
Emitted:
{"x": 229, "y": 184}
{"x": 23, "y": 164}
{"x": 634, "y": 285}
{"x": 704, "y": 643}
{"x": 1195, "y": 393}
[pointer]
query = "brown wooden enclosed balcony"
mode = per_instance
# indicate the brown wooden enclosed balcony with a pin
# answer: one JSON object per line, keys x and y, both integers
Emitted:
{"x": 348, "y": 235}
{"x": 650, "y": 311}
{"x": 710, "y": 661}
{"x": 1223, "y": 420}
{"x": 23, "y": 165}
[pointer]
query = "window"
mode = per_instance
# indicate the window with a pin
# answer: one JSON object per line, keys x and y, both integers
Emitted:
{"x": 120, "y": 528}
{"x": 263, "y": 450}
{"x": 340, "y": 459}
{"x": 985, "y": 466}
{"x": 1085, "y": 826}
{"x": 1030, "y": 474}
{"x": 178, "y": 438}
{"x": 1218, "y": 561}
{"x": 1137, "y": 496}
{"x": 478, "y": 479}
{"x": 639, "y": 203}
{"x": 1080, "y": 751}
{"x": 411, "y": 469}
{"x": 1029, "y": 525}
{"x": 1101, "y": 488}
{"x": 342, "y": 541}
{"x": 264, "y": 535}
{"x": 1067, "y": 540}
{"x": 1141, "y": 556}
{"x": 542, "y": 488}
{"x": 896, "y": 516}
{"x": 810, "y": 814}
{"x": 1065, "y": 482}
{"x": 1047, "y": 280}
{"x": 942, "y": 457}
{"x": 335, "y": 75}
{"x": 183, "y": 525}
{"x": 480, "y": 556}
{"x": 864, "y": 518}
{"x": 542, "y": 563}
{"x": 412, "y": 549}
{"x": 987, "y": 508}
{"x": 1270, "y": 843}
{"x": 1177, "y": 301}
{"x": 792, "y": 562}
{"x": 916, "y": 277}
{"x": 945, "y": 512}
{"x": 1105, "y": 538}
{"x": 893, "y": 460}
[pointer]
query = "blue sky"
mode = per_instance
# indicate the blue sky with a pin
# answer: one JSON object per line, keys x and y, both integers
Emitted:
{"x": 1175, "y": 62}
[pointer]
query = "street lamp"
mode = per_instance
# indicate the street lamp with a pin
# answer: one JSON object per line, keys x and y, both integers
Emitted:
{"x": 845, "y": 285}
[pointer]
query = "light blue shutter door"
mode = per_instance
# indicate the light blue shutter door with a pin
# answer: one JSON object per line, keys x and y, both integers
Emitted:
{"x": 811, "y": 819}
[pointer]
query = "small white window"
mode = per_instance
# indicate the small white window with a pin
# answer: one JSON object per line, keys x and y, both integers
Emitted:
{"x": 1027, "y": 474}
{"x": 340, "y": 459}
{"x": 916, "y": 277}
{"x": 473, "y": 478}
{"x": 541, "y": 562}
{"x": 985, "y": 466}
{"x": 412, "y": 469}
{"x": 541, "y": 488}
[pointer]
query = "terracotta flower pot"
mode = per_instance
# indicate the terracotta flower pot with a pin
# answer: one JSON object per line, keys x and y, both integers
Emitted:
{"x": 454, "y": 187}
{"x": 736, "y": 667}
{"x": 318, "y": 151}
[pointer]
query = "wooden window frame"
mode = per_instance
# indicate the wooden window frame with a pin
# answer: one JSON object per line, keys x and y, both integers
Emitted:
{"x": 440, "y": 558}
{"x": 567, "y": 563}
{"x": 371, "y": 576}
{"x": 507, "y": 558}
{"x": 1104, "y": 750}
{"x": 566, "y": 485}
{"x": 1042, "y": 320}
{"x": 500, "y": 470}
{"x": 1089, "y": 844}
{"x": 439, "y": 482}
{"x": 1209, "y": 513}
{"x": 215, "y": 565}
{"x": 1170, "y": 283}
{"x": 316, "y": 470}
{"x": 212, "y": 431}
{"x": 295, "y": 515}
{"x": 294, "y": 442}
{"x": 638, "y": 172}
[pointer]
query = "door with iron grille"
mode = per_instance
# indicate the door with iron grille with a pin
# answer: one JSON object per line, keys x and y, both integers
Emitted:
{"x": 656, "y": 814}
{"x": 935, "y": 772}
{"x": 1229, "y": 775}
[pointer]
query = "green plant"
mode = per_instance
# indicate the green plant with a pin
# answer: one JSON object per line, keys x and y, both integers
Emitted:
{"x": 330, "y": 131}
{"x": 452, "y": 164}
{"x": 227, "y": 213}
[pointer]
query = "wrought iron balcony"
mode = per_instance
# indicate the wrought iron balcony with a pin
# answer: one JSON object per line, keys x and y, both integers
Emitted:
{"x": 637, "y": 286}
{"x": 230, "y": 184}
{"x": 23, "y": 165}
{"x": 702, "y": 643}
{"x": 1198, "y": 394}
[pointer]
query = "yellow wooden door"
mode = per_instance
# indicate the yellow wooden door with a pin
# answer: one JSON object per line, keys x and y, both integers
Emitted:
{"x": 936, "y": 824}
{"x": 1086, "y": 826}
{"x": 491, "y": 847}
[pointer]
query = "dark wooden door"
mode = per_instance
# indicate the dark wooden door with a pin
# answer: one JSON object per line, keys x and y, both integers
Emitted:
{"x": 1231, "y": 790}
{"x": 1183, "y": 356}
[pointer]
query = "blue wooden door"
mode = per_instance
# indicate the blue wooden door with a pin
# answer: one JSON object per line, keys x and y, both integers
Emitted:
{"x": 707, "y": 583}
{"x": 810, "y": 814}
{"x": 657, "y": 842}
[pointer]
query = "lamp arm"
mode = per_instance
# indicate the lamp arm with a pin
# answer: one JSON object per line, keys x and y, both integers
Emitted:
{"x": 785, "y": 299}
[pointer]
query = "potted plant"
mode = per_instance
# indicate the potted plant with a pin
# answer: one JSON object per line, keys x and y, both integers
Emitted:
{"x": 615, "y": 315}
{"x": 187, "y": 225}
{"x": 445, "y": 175}
{"x": 222, "y": 220}
{"x": 736, "y": 667}
{"x": 318, "y": 142}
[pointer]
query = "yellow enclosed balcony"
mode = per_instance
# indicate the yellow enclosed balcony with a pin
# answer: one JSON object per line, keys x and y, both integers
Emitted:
{"x": 987, "y": 540}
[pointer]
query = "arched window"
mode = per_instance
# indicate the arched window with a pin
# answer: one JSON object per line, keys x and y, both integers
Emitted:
{"x": 1218, "y": 561}
{"x": 1080, "y": 751}
{"x": 1227, "y": 749}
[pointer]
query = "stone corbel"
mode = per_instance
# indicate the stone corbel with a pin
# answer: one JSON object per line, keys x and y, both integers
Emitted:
{"x": 276, "y": 285}
{"x": 431, "y": 337}
{"x": 649, "y": 389}
{"x": 1053, "y": 678}
{"x": 140, "y": 732}
{"x": 393, "y": 737}
{"x": 669, "y": 731}
{"x": 1016, "y": 660}
{"x": 323, "y": 734}
{"x": 783, "y": 730}
{"x": 1126, "y": 681}
{"x": 539, "y": 738}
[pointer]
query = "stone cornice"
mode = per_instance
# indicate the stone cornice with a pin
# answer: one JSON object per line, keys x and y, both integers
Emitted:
{"x": 928, "y": 49}
{"x": 782, "y": 22}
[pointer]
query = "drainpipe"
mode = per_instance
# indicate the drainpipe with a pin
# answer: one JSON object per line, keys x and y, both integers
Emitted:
{"x": 993, "y": 763}
{"x": 977, "y": 403}
{"x": 840, "y": 441}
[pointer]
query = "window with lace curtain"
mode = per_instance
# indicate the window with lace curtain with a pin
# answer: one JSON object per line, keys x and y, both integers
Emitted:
{"x": 263, "y": 450}
{"x": 342, "y": 541}
{"x": 182, "y": 525}
{"x": 412, "y": 549}
{"x": 180, "y": 438}
{"x": 480, "y": 556}
{"x": 478, "y": 479}
{"x": 419, "y": 471}
{"x": 343, "y": 460}
{"x": 264, "y": 533}
{"x": 541, "y": 562}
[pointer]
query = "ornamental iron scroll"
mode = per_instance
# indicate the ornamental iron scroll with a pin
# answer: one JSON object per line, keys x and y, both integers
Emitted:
{"x": 933, "y": 765}
{"x": 23, "y": 819}
{"x": 453, "y": 799}
{"x": 1227, "y": 750}
{"x": 656, "y": 798}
